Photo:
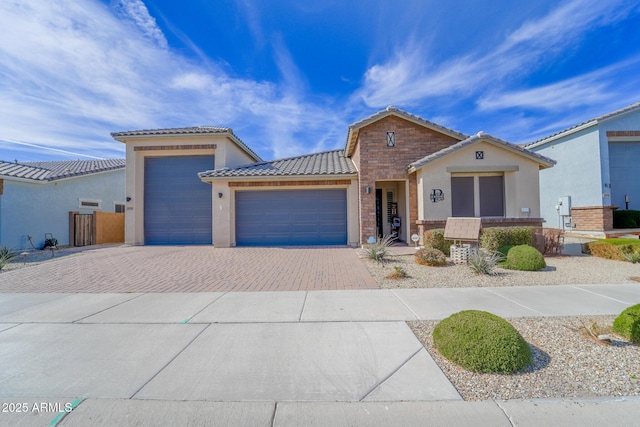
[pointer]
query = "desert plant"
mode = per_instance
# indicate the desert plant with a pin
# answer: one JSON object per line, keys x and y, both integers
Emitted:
{"x": 627, "y": 324}
{"x": 6, "y": 256}
{"x": 632, "y": 257}
{"x": 435, "y": 239}
{"x": 397, "y": 273}
{"x": 496, "y": 237}
{"x": 379, "y": 250}
{"x": 553, "y": 240}
{"x": 524, "y": 258}
{"x": 482, "y": 342}
{"x": 606, "y": 250}
{"x": 430, "y": 256}
{"x": 504, "y": 250}
{"x": 483, "y": 261}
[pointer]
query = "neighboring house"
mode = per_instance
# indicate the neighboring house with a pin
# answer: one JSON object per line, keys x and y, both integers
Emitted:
{"x": 398, "y": 173}
{"x": 37, "y": 197}
{"x": 597, "y": 168}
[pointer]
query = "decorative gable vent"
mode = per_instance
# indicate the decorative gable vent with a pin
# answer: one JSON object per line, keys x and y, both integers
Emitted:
{"x": 91, "y": 204}
{"x": 391, "y": 139}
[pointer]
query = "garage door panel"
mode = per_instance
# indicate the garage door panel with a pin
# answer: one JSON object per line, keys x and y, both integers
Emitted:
{"x": 291, "y": 217}
{"x": 177, "y": 204}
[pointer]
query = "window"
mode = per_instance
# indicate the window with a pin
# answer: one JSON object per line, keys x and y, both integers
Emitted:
{"x": 91, "y": 204}
{"x": 118, "y": 207}
{"x": 477, "y": 196}
{"x": 491, "y": 196}
{"x": 462, "y": 196}
{"x": 391, "y": 139}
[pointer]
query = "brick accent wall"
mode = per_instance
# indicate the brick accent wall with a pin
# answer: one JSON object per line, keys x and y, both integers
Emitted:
{"x": 377, "y": 162}
{"x": 592, "y": 218}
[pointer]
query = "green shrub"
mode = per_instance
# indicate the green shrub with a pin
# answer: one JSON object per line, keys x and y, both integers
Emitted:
{"x": 627, "y": 324}
{"x": 435, "y": 239}
{"x": 482, "y": 342}
{"x": 504, "y": 250}
{"x": 378, "y": 251}
{"x": 496, "y": 237}
{"x": 626, "y": 218}
{"x": 482, "y": 261}
{"x": 430, "y": 256}
{"x": 524, "y": 258}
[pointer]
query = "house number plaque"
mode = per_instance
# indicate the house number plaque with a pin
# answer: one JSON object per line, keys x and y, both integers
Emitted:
{"x": 437, "y": 195}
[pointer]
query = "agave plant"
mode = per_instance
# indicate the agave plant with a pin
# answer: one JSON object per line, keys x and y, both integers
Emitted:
{"x": 6, "y": 255}
{"x": 378, "y": 251}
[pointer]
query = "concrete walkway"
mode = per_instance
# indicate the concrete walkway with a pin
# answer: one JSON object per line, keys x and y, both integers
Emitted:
{"x": 268, "y": 358}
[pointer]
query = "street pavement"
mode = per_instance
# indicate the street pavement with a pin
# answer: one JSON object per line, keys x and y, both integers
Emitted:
{"x": 324, "y": 358}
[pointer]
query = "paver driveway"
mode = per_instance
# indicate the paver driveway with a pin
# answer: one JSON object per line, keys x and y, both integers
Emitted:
{"x": 193, "y": 269}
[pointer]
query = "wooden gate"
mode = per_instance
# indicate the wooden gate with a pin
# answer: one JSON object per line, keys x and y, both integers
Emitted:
{"x": 83, "y": 229}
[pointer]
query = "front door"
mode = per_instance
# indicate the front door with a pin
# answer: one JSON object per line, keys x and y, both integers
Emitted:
{"x": 379, "y": 230}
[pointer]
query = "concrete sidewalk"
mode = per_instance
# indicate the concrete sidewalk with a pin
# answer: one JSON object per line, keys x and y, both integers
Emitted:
{"x": 268, "y": 358}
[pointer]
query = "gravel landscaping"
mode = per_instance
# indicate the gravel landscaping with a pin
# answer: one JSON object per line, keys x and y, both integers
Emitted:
{"x": 567, "y": 363}
{"x": 561, "y": 270}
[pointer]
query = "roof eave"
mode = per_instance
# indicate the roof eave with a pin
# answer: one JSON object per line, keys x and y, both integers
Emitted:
{"x": 297, "y": 177}
{"x": 562, "y": 134}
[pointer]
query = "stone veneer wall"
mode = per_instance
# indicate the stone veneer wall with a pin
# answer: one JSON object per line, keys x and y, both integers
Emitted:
{"x": 377, "y": 162}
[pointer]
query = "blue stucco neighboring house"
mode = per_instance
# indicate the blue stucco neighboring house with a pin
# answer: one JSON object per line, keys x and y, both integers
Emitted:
{"x": 598, "y": 168}
{"x": 36, "y": 197}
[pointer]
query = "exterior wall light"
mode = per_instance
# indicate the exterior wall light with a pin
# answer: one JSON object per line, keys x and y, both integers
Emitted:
{"x": 219, "y": 195}
{"x": 367, "y": 189}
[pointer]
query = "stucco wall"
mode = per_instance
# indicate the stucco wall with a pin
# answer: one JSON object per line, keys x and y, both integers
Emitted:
{"x": 520, "y": 187}
{"x": 33, "y": 209}
{"x": 577, "y": 173}
{"x": 224, "y": 225}
{"x": 226, "y": 153}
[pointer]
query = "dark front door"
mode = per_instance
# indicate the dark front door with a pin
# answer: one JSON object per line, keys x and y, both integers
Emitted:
{"x": 379, "y": 212}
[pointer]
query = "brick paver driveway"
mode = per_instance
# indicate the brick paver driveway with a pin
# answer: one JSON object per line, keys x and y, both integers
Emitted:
{"x": 193, "y": 269}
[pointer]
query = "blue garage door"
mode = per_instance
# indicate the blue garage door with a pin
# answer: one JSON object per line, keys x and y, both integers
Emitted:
{"x": 291, "y": 217}
{"x": 177, "y": 205}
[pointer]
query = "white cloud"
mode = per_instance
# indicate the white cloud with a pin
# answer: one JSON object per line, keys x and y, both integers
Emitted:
{"x": 409, "y": 77}
{"x": 72, "y": 71}
{"x": 137, "y": 12}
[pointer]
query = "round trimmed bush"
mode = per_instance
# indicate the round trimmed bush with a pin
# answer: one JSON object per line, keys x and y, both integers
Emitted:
{"x": 525, "y": 258}
{"x": 430, "y": 256}
{"x": 482, "y": 342}
{"x": 627, "y": 324}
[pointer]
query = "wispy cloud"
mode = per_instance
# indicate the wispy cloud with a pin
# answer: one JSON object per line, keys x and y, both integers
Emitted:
{"x": 409, "y": 77}
{"x": 72, "y": 71}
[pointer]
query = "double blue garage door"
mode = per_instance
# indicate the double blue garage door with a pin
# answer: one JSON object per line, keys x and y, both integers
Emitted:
{"x": 291, "y": 217}
{"x": 177, "y": 204}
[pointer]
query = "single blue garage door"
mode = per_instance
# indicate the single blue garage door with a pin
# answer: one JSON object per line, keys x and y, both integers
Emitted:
{"x": 291, "y": 217}
{"x": 177, "y": 205}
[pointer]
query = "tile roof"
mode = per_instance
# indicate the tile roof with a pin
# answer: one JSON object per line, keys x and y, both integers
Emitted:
{"x": 193, "y": 130}
{"x": 480, "y": 136}
{"x": 54, "y": 170}
{"x": 354, "y": 127}
{"x": 325, "y": 163}
{"x": 593, "y": 121}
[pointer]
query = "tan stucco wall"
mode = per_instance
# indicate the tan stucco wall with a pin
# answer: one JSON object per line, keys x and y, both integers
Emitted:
{"x": 521, "y": 187}
{"x": 226, "y": 153}
{"x": 224, "y": 226}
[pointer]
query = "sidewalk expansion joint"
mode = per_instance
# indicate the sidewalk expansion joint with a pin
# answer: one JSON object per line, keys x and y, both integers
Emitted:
{"x": 492, "y": 291}
{"x": 406, "y": 305}
{"x": 304, "y": 303}
{"x": 273, "y": 415}
{"x": 108, "y": 308}
{"x": 600, "y": 295}
{"x": 188, "y": 318}
{"x": 392, "y": 373}
{"x": 511, "y": 421}
{"x": 169, "y": 362}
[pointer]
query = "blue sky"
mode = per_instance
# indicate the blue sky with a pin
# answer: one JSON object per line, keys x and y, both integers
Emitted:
{"x": 289, "y": 76}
